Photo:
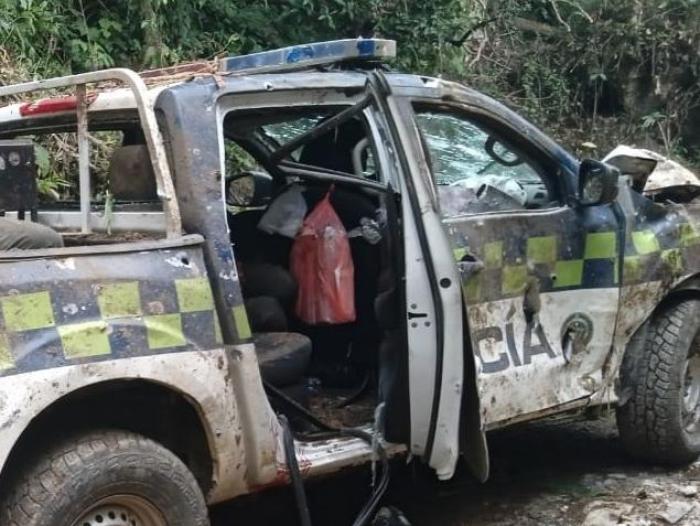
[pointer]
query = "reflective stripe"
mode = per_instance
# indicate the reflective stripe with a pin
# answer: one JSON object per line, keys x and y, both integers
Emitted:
{"x": 6, "y": 360}
{"x": 95, "y": 320}
{"x": 24, "y": 312}
{"x": 600, "y": 245}
{"x": 514, "y": 279}
{"x": 218, "y": 336}
{"x": 194, "y": 294}
{"x": 164, "y": 330}
{"x": 499, "y": 279}
{"x": 119, "y": 300}
{"x": 240, "y": 318}
{"x": 559, "y": 264}
{"x": 633, "y": 268}
{"x": 472, "y": 289}
{"x": 689, "y": 235}
{"x": 85, "y": 339}
{"x": 493, "y": 254}
{"x": 568, "y": 273}
{"x": 542, "y": 249}
{"x": 674, "y": 259}
{"x": 645, "y": 242}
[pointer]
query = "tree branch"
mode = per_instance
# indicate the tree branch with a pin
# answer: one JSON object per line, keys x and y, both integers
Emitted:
{"x": 483, "y": 23}
{"x": 525, "y": 24}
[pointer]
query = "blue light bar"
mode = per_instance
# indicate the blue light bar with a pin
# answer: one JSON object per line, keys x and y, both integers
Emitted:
{"x": 307, "y": 55}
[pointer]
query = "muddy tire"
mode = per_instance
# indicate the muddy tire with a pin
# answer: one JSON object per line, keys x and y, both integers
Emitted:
{"x": 660, "y": 420}
{"x": 105, "y": 478}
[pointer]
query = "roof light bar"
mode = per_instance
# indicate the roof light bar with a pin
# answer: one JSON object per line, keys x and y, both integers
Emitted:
{"x": 307, "y": 55}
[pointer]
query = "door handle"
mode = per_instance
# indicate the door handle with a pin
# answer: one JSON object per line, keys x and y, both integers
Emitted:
{"x": 469, "y": 265}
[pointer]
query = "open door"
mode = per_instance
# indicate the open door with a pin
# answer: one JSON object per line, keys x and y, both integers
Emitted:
{"x": 433, "y": 306}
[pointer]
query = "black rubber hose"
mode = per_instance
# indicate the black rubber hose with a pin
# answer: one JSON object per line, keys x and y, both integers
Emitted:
{"x": 295, "y": 474}
{"x": 299, "y": 409}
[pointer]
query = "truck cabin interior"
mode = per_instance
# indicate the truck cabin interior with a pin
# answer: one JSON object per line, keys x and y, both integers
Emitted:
{"x": 274, "y": 159}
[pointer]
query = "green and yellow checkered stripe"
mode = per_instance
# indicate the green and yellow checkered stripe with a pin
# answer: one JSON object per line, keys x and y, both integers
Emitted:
{"x": 651, "y": 256}
{"x": 507, "y": 275}
{"x": 122, "y": 323}
{"x": 648, "y": 256}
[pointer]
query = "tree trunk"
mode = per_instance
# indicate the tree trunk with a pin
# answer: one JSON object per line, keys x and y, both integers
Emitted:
{"x": 152, "y": 40}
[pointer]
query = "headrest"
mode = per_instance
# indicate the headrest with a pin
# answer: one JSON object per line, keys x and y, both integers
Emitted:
{"x": 131, "y": 175}
{"x": 333, "y": 150}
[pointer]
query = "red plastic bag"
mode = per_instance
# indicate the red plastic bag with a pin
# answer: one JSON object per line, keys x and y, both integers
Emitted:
{"x": 322, "y": 264}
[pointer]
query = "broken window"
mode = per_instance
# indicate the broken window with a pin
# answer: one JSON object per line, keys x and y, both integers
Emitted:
{"x": 123, "y": 199}
{"x": 476, "y": 171}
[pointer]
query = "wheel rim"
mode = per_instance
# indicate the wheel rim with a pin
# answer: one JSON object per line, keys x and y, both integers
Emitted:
{"x": 122, "y": 510}
{"x": 691, "y": 390}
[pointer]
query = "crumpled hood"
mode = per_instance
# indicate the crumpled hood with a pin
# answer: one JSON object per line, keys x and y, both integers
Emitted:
{"x": 655, "y": 175}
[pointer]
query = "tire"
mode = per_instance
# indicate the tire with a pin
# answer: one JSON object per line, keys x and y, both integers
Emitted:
{"x": 660, "y": 422}
{"x": 105, "y": 478}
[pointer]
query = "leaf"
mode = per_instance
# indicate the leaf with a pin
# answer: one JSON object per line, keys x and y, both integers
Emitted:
{"x": 42, "y": 158}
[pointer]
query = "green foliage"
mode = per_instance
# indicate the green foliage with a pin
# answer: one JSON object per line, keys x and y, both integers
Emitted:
{"x": 577, "y": 67}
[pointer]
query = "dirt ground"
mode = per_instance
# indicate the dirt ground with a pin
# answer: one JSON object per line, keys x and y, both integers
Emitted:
{"x": 549, "y": 474}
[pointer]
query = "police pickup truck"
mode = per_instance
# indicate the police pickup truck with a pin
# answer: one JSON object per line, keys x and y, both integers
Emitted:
{"x": 155, "y": 364}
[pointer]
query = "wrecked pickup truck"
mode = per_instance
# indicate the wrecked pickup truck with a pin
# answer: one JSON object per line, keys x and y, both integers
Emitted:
{"x": 155, "y": 364}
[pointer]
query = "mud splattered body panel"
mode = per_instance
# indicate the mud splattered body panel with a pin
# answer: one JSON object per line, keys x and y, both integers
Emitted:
{"x": 662, "y": 242}
{"x": 553, "y": 290}
{"x": 552, "y": 280}
{"x": 58, "y": 311}
{"x": 662, "y": 254}
{"x": 544, "y": 274}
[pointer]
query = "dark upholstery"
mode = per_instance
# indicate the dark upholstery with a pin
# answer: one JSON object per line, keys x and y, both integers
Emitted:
{"x": 283, "y": 357}
{"x": 266, "y": 314}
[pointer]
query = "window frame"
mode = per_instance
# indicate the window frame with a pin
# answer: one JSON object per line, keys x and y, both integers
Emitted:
{"x": 541, "y": 163}
{"x": 309, "y": 100}
{"x": 65, "y": 216}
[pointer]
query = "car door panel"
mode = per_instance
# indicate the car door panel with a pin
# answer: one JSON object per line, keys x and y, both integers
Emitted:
{"x": 540, "y": 278}
{"x": 433, "y": 303}
{"x": 544, "y": 275}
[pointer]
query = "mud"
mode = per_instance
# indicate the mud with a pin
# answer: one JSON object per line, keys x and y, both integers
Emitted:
{"x": 552, "y": 474}
{"x": 330, "y": 408}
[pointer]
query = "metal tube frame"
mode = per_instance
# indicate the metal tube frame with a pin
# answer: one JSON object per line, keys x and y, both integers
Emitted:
{"x": 83, "y": 159}
{"x": 154, "y": 139}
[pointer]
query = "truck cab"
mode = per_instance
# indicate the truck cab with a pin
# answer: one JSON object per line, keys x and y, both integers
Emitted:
{"x": 144, "y": 366}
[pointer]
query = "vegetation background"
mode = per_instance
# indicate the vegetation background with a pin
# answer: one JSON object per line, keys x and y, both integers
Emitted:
{"x": 598, "y": 71}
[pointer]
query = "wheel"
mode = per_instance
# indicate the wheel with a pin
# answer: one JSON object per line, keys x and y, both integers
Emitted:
{"x": 660, "y": 422}
{"x": 105, "y": 478}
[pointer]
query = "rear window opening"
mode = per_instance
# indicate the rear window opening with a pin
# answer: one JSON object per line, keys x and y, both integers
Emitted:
{"x": 124, "y": 205}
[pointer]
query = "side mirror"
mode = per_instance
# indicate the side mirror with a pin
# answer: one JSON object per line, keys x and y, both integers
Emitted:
{"x": 598, "y": 183}
{"x": 249, "y": 189}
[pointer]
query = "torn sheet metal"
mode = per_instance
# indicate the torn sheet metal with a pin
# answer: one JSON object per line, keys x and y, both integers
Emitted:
{"x": 661, "y": 253}
{"x": 655, "y": 175}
